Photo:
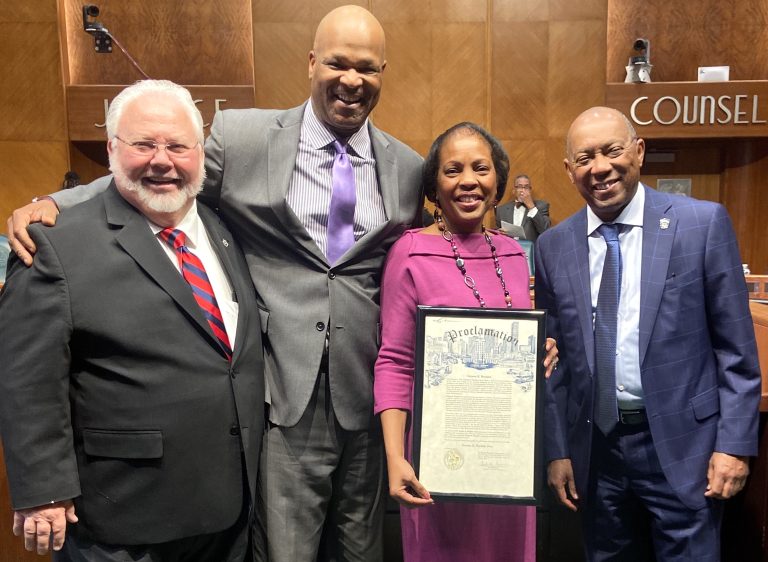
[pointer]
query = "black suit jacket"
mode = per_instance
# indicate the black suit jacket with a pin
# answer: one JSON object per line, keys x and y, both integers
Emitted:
{"x": 532, "y": 226}
{"x": 113, "y": 390}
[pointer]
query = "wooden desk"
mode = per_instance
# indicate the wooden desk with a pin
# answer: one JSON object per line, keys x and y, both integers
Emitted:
{"x": 757, "y": 285}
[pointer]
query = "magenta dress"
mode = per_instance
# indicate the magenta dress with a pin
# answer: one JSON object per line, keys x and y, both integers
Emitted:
{"x": 420, "y": 269}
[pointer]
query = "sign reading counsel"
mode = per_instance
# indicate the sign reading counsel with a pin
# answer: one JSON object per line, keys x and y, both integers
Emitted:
{"x": 693, "y": 109}
{"x": 740, "y": 109}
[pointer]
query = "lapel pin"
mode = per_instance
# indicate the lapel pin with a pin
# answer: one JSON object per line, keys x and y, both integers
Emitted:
{"x": 664, "y": 223}
{"x": 224, "y": 241}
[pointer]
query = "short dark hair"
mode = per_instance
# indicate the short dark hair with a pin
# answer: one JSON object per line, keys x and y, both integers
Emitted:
{"x": 432, "y": 163}
{"x": 520, "y": 177}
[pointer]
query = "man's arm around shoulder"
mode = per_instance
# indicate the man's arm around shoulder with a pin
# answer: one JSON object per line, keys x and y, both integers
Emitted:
{"x": 45, "y": 210}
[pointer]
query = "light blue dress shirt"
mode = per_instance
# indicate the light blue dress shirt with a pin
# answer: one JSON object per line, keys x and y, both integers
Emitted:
{"x": 629, "y": 389}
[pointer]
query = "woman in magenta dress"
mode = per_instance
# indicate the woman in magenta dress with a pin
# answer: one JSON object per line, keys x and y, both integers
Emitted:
{"x": 465, "y": 175}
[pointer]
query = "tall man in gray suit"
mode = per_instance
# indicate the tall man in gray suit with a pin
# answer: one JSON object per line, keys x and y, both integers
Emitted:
{"x": 131, "y": 385}
{"x": 273, "y": 176}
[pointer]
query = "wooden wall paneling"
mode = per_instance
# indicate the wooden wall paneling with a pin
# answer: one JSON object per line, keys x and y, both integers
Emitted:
{"x": 30, "y": 12}
{"x": 29, "y": 169}
{"x": 400, "y": 11}
{"x": 281, "y": 60}
{"x": 61, "y": 18}
{"x": 578, "y": 11}
{"x": 744, "y": 177}
{"x": 459, "y": 10}
{"x": 187, "y": 42}
{"x": 686, "y": 35}
{"x": 576, "y": 71}
{"x": 404, "y": 109}
{"x": 519, "y": 10}
{"x": 31, "y": 93}
{"x": 564, "y": 199}
{"x": 33, "y": 128}
{"x": 295, "y": 11}
{"x": 748, "y": 32}
{"x": 459, "y": 75}
{"x": 519, "y": 65}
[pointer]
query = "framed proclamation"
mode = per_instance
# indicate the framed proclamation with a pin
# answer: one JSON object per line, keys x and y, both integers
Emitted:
{"x": 477, "y": 408}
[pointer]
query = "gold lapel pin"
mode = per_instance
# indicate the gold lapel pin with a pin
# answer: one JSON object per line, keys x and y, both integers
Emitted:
{"x": 664, "y": 223}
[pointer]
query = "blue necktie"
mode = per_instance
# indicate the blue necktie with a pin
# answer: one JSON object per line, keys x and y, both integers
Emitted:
{"x": 341, "y": 214}
{"x": 606, "y": 322}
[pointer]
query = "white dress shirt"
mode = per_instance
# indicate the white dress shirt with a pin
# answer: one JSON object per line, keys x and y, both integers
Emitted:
{"x": 199, "y": 244}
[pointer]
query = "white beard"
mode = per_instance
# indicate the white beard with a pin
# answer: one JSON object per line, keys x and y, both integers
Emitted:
{"x": 159, "y": 202}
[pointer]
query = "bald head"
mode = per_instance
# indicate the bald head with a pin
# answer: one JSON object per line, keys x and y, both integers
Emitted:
{"x": 352, "y": 21}
{"x": 603, "y": 160}
{"x": 345, "y": 68}
{"x": 599, "y": 114}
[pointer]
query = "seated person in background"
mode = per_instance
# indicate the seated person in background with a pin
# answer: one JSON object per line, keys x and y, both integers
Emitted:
{"x": 132, "y": 385}
{"x": 525, "y": 211}
{"x": 465, "y": 173}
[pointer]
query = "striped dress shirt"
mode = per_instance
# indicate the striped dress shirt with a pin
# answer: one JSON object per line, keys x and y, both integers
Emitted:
{"x": 309, "y": 195}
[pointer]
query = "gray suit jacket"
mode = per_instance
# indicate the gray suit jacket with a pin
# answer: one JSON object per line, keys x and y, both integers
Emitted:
{"x": 250, "y": 157}
{"x": 532, "y": 226}
{"x": 113, "y": 388}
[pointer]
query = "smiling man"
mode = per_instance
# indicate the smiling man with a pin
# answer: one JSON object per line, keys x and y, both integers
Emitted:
{"x": 126, "y": 434}
{"x": 316, "y": 195}
{"x": 653, "y": 412}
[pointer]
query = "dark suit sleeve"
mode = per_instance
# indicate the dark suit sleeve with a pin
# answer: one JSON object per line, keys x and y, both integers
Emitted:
{"x": 502, "y": 214}
{"x": 541, "y": 221}
{"x": 733, "y": 339}
{"x": 35, "y": 328}
{"x": 214, "y": 163}
{"x": 556, "y": 386}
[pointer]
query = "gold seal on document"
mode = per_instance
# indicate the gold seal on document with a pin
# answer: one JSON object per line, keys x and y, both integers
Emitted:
{"x": 453, "y": 459}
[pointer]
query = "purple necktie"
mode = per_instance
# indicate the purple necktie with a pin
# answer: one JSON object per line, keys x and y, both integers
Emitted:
{"x": 341, "y": 214}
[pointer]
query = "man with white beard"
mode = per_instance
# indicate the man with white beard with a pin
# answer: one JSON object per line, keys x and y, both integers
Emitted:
{"x": 131, "y": 387}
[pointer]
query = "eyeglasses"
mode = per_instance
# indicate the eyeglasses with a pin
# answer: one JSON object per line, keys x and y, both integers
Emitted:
{"x": 150, "y": 148}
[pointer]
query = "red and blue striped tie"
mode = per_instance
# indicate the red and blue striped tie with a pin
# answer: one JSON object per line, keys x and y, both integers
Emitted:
{"x": 194, "y": 273}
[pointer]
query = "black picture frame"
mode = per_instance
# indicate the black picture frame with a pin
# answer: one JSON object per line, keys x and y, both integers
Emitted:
{"x": 478, "y": 403}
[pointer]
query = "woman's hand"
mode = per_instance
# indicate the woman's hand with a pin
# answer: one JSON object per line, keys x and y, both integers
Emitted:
{"x": 403, "y": 484}
{"x": 551, "y": 360}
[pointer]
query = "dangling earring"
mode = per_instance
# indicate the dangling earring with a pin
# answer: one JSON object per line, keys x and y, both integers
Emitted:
{"x": 436, "y": 215}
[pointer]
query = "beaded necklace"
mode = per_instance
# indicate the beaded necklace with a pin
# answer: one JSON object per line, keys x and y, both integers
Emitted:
{"x": 468, "y": 280}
